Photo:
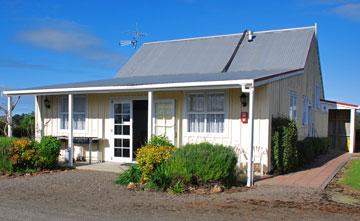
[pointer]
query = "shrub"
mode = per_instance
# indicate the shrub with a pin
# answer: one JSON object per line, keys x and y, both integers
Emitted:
{"x": 310, "y": 148}
{"x": 277, "y": 152}
{"x": 22, "y": 154}
{"x": 48, "y": 151}
{"x": 132, "y": 174}
{"x": 159, "y": 141}
{"x": 5, "y": 163}
{"x": 290, "y": 153}
{"x": 196, "y": 164}
{"x": 150, "y": 157}
{"x": 284, "y": 149}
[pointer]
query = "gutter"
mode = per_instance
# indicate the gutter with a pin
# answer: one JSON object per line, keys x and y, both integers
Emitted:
{"x": 152, "y": 87}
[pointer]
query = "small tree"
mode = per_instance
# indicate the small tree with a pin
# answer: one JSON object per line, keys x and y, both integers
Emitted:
{"x": 6, "y": 118}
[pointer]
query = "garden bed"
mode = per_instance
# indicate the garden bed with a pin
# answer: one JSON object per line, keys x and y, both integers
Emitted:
{"x": 23, "y": 156}
{"x": 203, "y": 167}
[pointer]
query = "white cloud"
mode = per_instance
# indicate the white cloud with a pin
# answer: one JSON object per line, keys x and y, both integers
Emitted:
{"x": 350, "y": 11}
{"x": 69, "y": 37}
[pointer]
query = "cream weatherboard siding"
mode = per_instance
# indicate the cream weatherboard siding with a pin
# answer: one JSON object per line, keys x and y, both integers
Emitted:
{"x": 99, "y": 122}
{"x": 303, "y": 85}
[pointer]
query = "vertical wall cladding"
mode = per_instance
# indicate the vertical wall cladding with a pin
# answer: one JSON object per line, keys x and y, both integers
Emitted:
{"x": 99, "y": 122}
{"x": 304, "y": 85}
{"x": 261, "y": 131}
{"x": 237, "y": 133}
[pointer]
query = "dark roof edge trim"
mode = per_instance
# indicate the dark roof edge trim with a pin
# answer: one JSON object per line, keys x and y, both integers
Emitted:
{"x": 286, "y": 74}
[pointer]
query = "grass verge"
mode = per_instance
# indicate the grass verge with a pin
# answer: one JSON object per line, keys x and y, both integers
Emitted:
{"x": 352, "y": 175}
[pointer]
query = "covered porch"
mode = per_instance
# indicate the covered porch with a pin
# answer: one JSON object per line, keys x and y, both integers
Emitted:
{"x": 127, "y": 115}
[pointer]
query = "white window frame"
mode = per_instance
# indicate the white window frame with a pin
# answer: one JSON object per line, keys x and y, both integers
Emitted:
{"x": 67, "y": 113}
{"x": 306, "y": 111}
{"x": 293, "y": 106}
{"x": 225, "y": 112}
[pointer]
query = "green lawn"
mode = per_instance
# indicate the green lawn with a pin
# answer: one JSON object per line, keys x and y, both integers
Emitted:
{"x": 352, "y": 175}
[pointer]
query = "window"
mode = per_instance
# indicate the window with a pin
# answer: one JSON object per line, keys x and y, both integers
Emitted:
{"x": 206, "y": 112}
{"x": 317, "y": 97}
{"x": 306, "y": 111}
{"x": 79, "y": 112}
{"x": 293, "y": 106}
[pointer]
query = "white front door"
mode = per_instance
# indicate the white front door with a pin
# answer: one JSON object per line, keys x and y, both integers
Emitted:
{"x": 122, "y": 131}
{"x": 165, "y": 118}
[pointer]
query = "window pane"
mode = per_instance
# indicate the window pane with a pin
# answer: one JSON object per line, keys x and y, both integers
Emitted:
{"x": 117, "y": 152}
{"x": 64, "y": 104}
{"x": 215, "y": 123}
{"x": 79, "y": 121}
{"x": 196, "y": 123}
{"x": 80, "y": 104}
{"x": 118, "y": 142}
{"x": 126, "y": 143}
{"x": 118, "y": 119}
{"x": 64, "y": 121}
{"x": 126, "y": 152}
{"x": 126, "y": 117}
{"x": 118, "y": 129}
{"x": 196, "y": 103}
{"x": 216, "y": 102}
{"x": 126, "y": 108}
{"x": 117, "y": 108}
{"x": 126, "y": 130}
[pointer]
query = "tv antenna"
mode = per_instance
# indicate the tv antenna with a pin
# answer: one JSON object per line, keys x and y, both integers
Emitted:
{"x": 135, "y": 38}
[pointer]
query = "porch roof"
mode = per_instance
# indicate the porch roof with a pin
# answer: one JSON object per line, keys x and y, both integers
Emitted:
{"x": 340, "y": 105}
{"x": 163, "y": 82}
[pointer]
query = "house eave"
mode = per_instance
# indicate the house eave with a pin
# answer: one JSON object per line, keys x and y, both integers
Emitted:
{"x": 134, "y": 88}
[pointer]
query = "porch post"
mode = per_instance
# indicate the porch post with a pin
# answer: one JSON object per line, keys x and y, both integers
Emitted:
{"x": 150, "y": 114}
{"x": 39, "y": 123}
{"x": 9, "y": 116}
{"x": 70, "y": 132}
{"x": 250, "y": 167}
{"x": 352, "y": 130}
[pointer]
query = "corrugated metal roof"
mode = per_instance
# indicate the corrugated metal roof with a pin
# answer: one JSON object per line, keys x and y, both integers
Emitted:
{"x": 274, "y": 50}
{"x": 207, "y": 55}
{"x": 271, "y": 50}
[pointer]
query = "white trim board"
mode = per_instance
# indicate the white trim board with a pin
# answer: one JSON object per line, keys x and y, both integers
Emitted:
{"x": 153, "y": 87}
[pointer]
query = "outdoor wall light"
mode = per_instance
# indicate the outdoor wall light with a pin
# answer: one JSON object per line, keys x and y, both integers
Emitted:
{"x": 47, "y": 103}
{"x": 243, "y": 99}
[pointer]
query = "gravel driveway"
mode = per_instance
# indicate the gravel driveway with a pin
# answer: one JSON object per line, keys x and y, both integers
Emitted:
{"x": 86, "y": 195}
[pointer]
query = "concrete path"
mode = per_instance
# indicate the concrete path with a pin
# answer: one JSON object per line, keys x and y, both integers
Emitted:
{"x": 104, "y": 167}
{"x": 318, "y": 177}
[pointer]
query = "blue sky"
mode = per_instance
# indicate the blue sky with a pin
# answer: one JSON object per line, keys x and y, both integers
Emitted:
{"x": 49, "y": 42}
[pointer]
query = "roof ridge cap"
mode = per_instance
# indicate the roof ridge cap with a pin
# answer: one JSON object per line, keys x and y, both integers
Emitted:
{"x": 227, "y": 35}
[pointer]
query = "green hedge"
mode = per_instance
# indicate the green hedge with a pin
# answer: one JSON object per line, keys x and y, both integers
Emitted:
{"x": 310, "y": 148}
{"x": 196, "y": 164}
{"x": 284, "y": 149}
{"x": 288, "y": 154}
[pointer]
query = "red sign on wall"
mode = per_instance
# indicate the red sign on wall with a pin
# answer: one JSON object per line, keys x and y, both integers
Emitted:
{"x": 244, "y": 117}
